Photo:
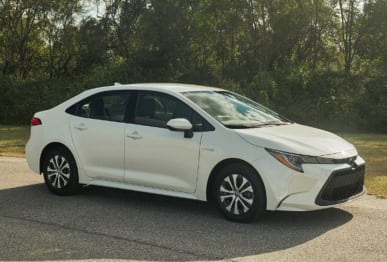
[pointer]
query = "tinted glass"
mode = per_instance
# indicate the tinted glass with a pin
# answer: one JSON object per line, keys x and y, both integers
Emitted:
{"x": 156, "y": 109}
{"x": 233, "y": 110}
{"x": 109, "y": 106}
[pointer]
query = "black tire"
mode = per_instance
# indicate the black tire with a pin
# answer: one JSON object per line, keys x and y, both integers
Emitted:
{"x": 60, "y": 172}
{"x": 239, "y": 193}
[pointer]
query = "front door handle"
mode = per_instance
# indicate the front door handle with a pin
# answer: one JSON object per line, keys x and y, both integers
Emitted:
{"x": 135, "y": 135}
{"x": 81, "y": 126}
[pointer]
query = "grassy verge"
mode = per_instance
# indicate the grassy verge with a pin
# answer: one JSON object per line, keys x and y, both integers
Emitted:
{"x": 372, "y": 147}
{"x": 13, "y": 140}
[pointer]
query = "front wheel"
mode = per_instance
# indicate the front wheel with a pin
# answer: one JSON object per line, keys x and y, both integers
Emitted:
{"x": 60, "y": 172}
{"x": 239, "y": 193}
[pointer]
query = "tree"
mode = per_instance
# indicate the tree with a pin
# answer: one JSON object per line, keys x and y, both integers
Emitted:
{"x": 61, "y": 36}
{"x": 121, "y": 17}
{"x": 93, "y": 44}
{"x": 349, "y": 14}
{"x": 19, "y": 23}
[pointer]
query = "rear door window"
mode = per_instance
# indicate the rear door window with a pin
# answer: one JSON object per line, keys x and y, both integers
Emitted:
{"x": 110, "y": 106}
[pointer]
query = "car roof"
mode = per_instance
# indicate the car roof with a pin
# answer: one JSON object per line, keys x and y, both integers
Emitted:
{"x": 171, "y": 87}
{"x": 162, "y": 87}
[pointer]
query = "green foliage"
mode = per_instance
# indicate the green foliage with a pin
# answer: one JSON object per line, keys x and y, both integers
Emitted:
{"x": 321, "y": 62}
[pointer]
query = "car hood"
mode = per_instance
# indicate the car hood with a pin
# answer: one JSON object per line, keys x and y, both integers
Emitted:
{"x": 299, "y": 139}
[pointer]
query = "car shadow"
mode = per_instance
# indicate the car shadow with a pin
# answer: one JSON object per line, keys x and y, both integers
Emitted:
{"x": 103, "y": 223}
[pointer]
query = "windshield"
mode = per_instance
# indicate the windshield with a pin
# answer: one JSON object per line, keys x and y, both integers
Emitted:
{"x": 235, "y": 111}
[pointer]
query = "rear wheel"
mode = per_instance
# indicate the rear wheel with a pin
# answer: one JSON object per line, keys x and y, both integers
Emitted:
{"x": 239, "y": 193}
{"x": 60, "y": 172}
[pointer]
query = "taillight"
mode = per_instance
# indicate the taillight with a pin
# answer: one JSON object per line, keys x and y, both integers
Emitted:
{"x": 35, "y": 121}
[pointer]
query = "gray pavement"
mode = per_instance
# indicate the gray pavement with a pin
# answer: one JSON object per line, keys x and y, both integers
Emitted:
{"x": 101, "y": 224}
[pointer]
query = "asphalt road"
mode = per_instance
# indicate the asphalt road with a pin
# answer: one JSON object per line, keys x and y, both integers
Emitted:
{"x": 106, "y": 224}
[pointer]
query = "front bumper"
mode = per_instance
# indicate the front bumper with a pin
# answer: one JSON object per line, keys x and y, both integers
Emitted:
{"x": 320, "y": 186}
{"x": 342, "y": 186}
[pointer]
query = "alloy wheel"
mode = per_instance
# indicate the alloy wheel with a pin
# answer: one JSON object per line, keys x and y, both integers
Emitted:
{"x": 236, "y": 194}
{"x": 58, "y": 171}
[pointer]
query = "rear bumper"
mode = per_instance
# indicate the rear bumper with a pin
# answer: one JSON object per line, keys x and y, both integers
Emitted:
{"x": 33, "y": 156}
{"x": 34, "y": 148}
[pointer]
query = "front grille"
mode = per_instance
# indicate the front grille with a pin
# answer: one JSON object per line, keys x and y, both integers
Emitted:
{"x": 341, "y": 186}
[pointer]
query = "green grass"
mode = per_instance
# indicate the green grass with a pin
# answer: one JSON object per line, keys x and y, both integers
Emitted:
{"x": 13, "y": 140}
{"x": 372, "y": 147}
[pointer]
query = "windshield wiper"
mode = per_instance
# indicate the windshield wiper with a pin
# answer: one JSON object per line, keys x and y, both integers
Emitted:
{"x": 273, "y": 123}
{"x": 245, "y": 126}
{"x": 240, "y": 126}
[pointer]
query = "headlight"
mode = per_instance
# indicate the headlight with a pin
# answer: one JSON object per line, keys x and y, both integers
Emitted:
{"x": 295, "y": 161}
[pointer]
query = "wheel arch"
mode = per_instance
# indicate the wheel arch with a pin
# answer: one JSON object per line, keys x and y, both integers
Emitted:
{"x": 224, "y": 163}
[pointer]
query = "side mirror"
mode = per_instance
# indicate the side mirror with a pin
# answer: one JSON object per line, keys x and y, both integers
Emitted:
{"x": 181, "y": 124}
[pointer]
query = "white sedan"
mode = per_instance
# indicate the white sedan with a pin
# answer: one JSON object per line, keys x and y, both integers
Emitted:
{"x": 193, "y": 142}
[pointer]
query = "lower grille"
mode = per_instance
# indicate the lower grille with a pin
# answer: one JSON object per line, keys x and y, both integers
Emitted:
{"x": 341, "y": 186}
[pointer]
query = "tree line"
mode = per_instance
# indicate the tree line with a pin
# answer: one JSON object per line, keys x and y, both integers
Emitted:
{"x": 319, "y": 62}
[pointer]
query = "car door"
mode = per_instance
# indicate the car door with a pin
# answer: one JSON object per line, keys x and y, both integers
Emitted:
{"x": 98, "y": 131}
{"x": 156, "y": 156}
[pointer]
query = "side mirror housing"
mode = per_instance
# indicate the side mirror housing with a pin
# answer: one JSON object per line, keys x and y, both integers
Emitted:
{"x": 181, "y": 124}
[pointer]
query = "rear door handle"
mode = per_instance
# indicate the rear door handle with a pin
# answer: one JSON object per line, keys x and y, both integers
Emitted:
{"x": 134, "y": 135}
{"x": 81, "y": 126}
